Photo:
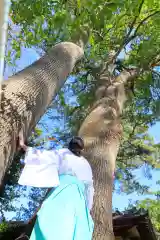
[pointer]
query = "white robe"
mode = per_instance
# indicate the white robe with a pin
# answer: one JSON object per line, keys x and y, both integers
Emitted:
{"x": 43, "y": 167}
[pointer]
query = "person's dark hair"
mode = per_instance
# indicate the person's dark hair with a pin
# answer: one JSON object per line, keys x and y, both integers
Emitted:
{"x": 76, "y": 145}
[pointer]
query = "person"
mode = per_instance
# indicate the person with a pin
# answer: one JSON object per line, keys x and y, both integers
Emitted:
{"x": 65, "y": 212}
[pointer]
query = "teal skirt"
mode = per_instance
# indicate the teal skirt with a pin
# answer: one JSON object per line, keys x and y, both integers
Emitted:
{"x": 64, "y": 214}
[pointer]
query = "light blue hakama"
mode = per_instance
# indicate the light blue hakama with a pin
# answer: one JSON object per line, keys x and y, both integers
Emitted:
{"x": 64, "y": 214}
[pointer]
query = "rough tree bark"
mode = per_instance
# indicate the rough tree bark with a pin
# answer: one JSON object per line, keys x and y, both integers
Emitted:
{"x": 101, "y": 131}
{"x": 26, "y": 96}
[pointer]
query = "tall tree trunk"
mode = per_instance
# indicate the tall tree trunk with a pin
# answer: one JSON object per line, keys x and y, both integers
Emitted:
{"x": 101, "y": 131}
{"x": 26, "y": 96}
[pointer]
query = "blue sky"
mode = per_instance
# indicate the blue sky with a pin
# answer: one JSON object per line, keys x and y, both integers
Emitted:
{"x": 119, "y": 201}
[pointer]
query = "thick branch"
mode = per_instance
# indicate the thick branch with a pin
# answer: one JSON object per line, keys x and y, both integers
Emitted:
{"x": 101, "y": 131}
{"x": 112, "y": 97}
{"x": 27, "y": 95}
{"x": 80, "y": 37}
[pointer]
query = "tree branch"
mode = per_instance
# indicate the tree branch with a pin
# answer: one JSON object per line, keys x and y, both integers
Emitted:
{"x": 125, "y": 42}
{"x": 140, "y": 24}
{"x": 127, "y": 38}
{"x": 156, "y": 61}
{"x": 133, "y": 23}
{"x": 145, "y": 19}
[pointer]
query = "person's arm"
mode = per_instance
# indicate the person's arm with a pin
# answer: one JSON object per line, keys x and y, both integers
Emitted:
{"x": 21, "y": 144}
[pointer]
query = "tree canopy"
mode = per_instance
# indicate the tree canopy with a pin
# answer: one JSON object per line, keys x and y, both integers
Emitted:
{"x": 126, "y": 32}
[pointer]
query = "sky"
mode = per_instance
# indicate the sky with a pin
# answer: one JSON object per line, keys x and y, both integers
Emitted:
{"x": 120, "y": 201}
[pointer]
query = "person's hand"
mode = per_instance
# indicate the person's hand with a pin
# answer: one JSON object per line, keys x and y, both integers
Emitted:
{"x": 21, "y": 141}
{"x": 23, "y": 236}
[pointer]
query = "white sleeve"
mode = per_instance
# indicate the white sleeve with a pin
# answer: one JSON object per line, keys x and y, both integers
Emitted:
{"x": 89, "y": 195}
{"x": 41, "y": 169}
{"x": 35, "y": 156}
